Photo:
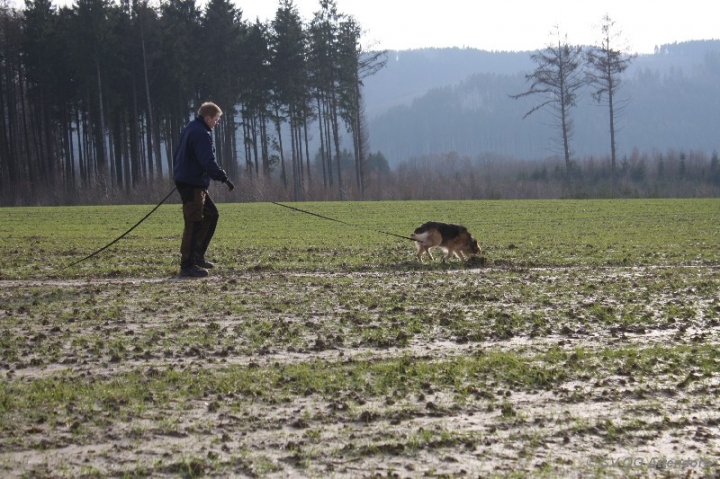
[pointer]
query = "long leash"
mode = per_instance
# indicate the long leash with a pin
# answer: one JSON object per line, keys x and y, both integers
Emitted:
{"x": 273, "y": 202}
{"x": 340, "y": 221}
{"x": 124, "y": 234}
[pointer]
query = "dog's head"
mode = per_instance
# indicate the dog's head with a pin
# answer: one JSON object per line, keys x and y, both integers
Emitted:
{"x": 473, "y": 245}
{"x": 470, "y": 245}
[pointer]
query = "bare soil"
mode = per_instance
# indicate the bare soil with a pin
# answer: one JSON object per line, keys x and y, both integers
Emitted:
{"x": 633, "y": 395}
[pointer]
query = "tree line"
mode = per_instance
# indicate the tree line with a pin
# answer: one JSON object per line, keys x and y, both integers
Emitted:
{"x": 452, "y": 176}
{"x": 93, "y": 96}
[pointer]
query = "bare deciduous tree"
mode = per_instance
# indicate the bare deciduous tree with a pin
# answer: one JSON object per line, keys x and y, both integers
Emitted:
{"x": 605, "y": 65}
{"x": 557, "y": 80}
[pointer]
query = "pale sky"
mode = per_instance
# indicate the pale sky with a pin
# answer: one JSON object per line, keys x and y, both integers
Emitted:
{"x": 513, "y": 24}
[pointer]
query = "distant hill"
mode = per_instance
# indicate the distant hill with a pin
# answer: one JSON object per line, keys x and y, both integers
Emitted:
{"x": 412, "y": 73}
{"x": 438, "y": 100}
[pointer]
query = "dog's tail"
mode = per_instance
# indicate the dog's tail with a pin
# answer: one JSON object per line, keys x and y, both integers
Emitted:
{"x": 430, "y": 225}
{"x": 421, "y": 238}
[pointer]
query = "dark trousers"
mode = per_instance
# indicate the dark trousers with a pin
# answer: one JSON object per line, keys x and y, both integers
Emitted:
{"x": 201, "y": 218}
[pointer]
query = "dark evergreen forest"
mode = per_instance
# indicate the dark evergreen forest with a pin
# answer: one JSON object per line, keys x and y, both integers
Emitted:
{"x": 93, "y": 97}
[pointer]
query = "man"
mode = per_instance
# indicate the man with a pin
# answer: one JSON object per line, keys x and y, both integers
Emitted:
{"x": 194, "y": 167}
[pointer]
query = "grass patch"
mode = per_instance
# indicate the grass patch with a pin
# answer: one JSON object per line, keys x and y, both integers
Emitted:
{"x": 39, "y": 242}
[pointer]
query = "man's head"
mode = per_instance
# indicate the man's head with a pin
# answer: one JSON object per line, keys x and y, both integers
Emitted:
{"x": 211, "y": 113}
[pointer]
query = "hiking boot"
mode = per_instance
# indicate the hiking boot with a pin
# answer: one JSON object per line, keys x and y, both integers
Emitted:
{"x": 193, "y": 272}
{"x": 203, "y": 263}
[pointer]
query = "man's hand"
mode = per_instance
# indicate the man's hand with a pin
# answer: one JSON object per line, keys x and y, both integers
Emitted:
{"x": 230, "y": 185}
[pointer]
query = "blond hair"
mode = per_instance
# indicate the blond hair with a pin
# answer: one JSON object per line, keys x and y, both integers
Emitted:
{"x": 209, "y": 109}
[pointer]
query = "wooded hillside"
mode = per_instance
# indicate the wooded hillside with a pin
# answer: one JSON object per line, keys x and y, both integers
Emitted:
{"x": 459, "y": 100}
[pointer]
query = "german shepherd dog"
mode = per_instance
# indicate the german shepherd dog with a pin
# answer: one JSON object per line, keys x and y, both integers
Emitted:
{"x": 453, "y": 239}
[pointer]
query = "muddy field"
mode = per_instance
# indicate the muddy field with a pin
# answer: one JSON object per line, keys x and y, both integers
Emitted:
{"x": 466, "y": 370}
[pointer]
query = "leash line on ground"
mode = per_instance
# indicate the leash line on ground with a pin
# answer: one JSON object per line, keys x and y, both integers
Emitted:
{"x": 124, "y": 234}
{"x": 340, "y": 221}
{"x": 273, "y": 202}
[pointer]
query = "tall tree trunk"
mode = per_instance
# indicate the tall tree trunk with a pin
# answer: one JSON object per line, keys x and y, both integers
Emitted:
{"x": 100, "y": 135}
{"x": 80, "y": 145}
{"x": 69, "y": 154}
{"x": 336, "y": 139}
{"x": 565, "y": 138}
{"x": 294, "y": 156}
{"x": 613, "y": 157}
{"x": 135, "y": 138}
{"x": 117, "y": 149}
{"x": 322, "y": 141}
{"x": 153, "y": 137}
{"x": 307, "y": 151}
{"x": 328, "y": 135}
{"x": 296, "y": 170}
{"x": 34, "y": 167}
{"x": 7, "y": 144}
{"x": 359, "y": 139}
{"x": 249, "y": 129}
{"x": 283, "y": 173}
{"x": 124, "y": 150}
{"x": 264, "y": 141}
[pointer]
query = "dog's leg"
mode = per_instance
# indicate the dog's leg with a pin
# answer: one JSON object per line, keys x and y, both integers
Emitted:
{"x": 421, "y": 245}
{"x": 422, "y": 249}
{"x": 428, "y": 247}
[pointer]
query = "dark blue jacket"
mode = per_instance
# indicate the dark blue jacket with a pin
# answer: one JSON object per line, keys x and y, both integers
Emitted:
{"x": 195, "y": 156}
